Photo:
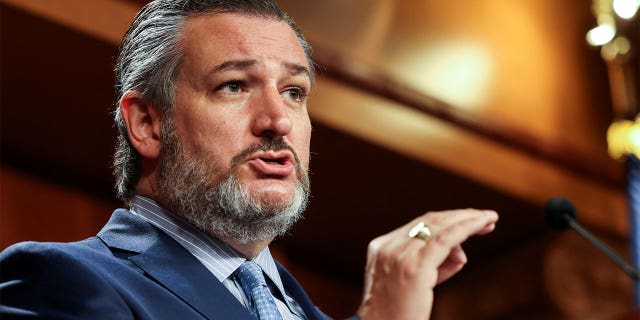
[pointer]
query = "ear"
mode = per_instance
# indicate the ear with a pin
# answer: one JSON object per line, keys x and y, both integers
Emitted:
{"x": 144, "y": 125}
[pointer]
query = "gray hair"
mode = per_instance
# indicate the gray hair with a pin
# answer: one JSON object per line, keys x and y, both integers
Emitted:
{"x": 149, "y": 59}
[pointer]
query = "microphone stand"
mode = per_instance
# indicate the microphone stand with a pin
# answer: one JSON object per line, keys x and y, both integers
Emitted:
{"x": 634, "y": 273}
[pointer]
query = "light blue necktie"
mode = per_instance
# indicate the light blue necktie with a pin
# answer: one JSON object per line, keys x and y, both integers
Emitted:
{"x": 255, "y": 287}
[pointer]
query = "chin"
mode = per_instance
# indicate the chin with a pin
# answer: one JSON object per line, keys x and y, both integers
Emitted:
{"x": 274, "y": 200}
{"x": 273, "y": 196}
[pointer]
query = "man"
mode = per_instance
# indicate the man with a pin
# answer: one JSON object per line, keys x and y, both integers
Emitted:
{"x": 212, "y": 161}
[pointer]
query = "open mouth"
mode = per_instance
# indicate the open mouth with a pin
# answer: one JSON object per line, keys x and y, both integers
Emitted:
{"x": 278, "y": 164}
{"x": 275, "y": 161}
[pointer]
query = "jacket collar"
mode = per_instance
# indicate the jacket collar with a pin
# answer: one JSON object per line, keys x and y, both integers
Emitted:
{"x": 172, "y": 266}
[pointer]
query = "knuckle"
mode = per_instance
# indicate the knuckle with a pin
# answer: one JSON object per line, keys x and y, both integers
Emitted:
{"x": 389, "y": 256}
{"x": 409, "y": 272}
{"x": 436, "y": 218}
{"x": 440, "y": 239}
{"x": 409, "y": 268}
{"x": 440, "y": 217}
{"x": 375, "y": 245}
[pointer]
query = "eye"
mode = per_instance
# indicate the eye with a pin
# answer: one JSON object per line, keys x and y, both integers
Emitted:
{"x": 231, "y": 87}
{"x": 295, "y": 94}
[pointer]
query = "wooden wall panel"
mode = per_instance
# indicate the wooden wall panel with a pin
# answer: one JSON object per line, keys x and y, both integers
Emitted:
{"x": 34, "y": 209}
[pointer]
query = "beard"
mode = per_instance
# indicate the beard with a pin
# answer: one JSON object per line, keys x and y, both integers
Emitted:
{"x": 216, "y": 202}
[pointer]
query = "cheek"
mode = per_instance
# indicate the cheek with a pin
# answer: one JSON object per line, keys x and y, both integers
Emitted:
{"x": 204, "y": 137}
{"x": 304, "y": 142}
{"x": 221, "y": 142}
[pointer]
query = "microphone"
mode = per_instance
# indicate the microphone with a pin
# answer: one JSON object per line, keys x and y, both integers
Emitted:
{"x": 561, "y": 214}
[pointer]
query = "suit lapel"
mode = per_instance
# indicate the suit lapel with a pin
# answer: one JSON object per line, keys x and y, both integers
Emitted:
{"x": 172, "y": 266}
{"x": 296, "y": 291}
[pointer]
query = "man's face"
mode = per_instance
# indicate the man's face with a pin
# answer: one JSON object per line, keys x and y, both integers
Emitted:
{"x": 243, "y": 80}
{"x": 236, "y": 148}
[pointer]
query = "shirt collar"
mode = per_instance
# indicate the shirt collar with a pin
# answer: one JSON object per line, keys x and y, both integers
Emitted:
{"x": 219, "y": 257}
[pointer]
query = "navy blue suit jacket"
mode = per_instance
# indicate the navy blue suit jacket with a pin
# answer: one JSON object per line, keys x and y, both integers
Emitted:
{"x": 130, "y": 270}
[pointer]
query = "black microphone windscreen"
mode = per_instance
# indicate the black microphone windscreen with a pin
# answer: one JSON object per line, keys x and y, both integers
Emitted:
{"x": 559, "y": 211}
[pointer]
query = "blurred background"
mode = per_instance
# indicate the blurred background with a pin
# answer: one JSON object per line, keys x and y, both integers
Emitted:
{"x": 420, "y": 105}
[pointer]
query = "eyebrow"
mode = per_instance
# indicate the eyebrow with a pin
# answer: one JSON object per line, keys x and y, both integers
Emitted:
{"x": 234, "y": 64}
{"x": 294, "y": 68}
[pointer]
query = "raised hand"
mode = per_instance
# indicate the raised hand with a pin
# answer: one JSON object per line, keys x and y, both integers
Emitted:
{"x": 402, "y": 271}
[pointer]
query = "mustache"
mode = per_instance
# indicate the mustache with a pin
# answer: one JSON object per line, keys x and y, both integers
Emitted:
{"x": 267, "y": 144}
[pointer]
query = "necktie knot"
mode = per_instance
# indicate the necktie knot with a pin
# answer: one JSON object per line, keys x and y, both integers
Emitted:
{"x": 255, "y": 287}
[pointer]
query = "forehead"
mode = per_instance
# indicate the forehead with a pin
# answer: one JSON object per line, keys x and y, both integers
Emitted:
{"x": 211, "y": 39}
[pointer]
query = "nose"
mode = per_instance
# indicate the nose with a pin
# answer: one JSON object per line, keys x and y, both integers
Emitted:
{"x": 271, "y": 118}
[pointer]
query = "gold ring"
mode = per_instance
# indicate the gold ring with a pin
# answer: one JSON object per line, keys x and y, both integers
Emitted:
{"x": 420, "y": 231}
